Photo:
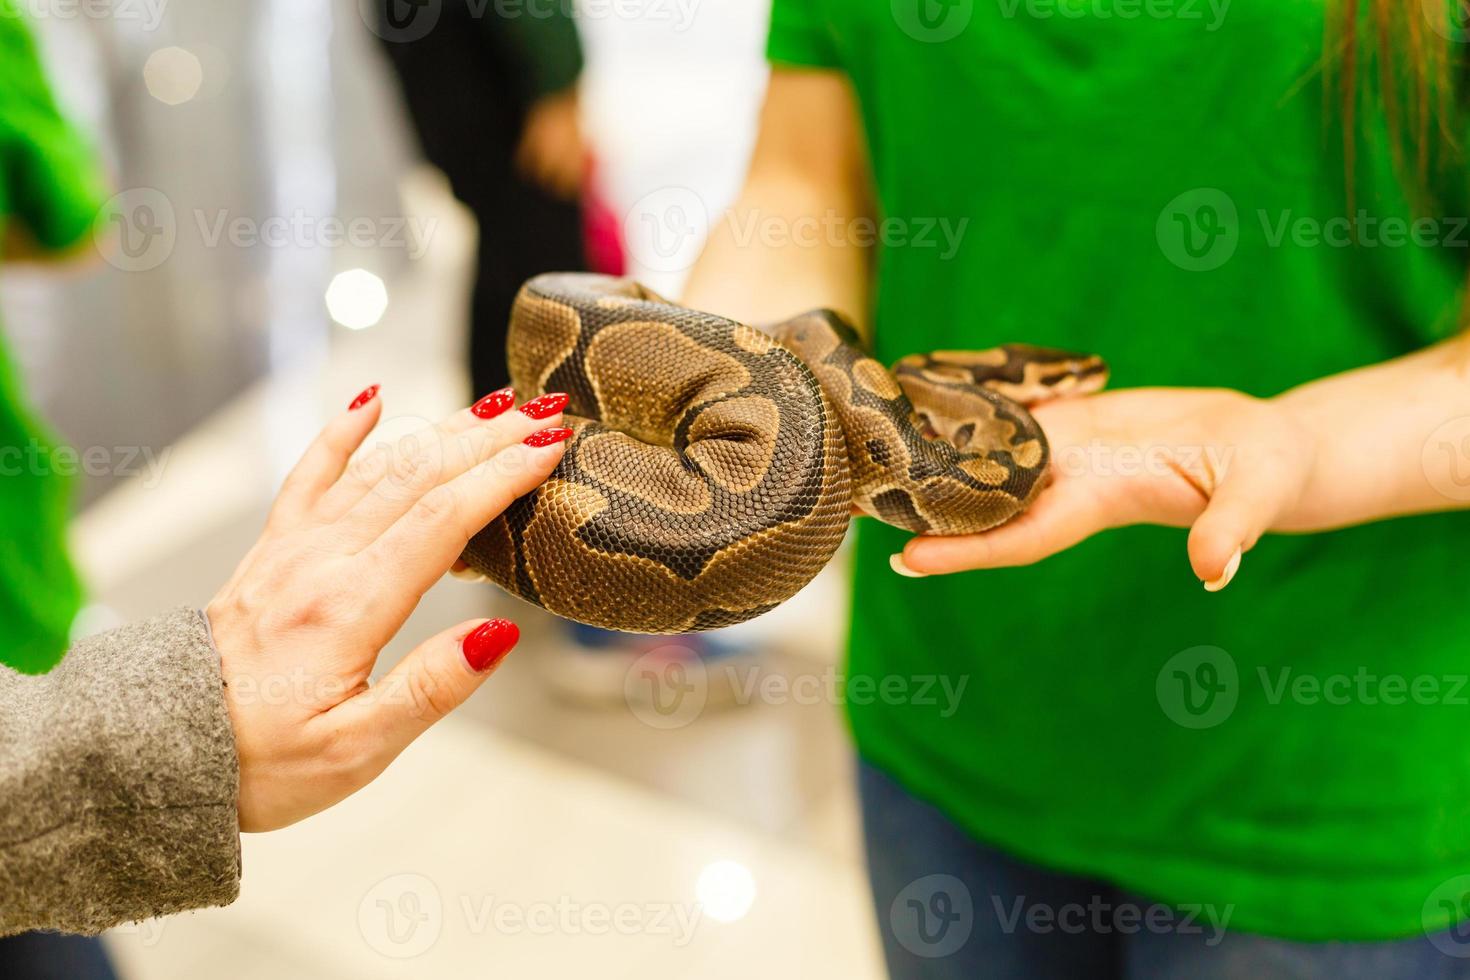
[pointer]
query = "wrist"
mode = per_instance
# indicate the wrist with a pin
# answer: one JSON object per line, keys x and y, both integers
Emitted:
{"x": 1307, "y": 425}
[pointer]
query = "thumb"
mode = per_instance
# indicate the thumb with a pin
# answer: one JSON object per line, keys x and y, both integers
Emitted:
{"x": 1239, "y": 512}
{"x": 437, "y": 677}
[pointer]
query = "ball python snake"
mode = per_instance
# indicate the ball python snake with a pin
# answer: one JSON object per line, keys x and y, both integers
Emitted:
{"x": 714, "y": 465}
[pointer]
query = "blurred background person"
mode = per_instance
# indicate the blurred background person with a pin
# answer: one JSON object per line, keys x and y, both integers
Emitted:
{"x": 492, "y": 94}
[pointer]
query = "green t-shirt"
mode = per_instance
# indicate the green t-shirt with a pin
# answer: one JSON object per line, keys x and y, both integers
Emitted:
{"x": 50, "y": 185}
{"x": 1116, "y": 719}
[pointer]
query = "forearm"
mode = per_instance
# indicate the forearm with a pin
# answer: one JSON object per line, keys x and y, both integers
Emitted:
{"x": 1390, "y": 439}
{"x": 788, "y": 231}
{"x": 118, "y": 782}
{"x": 794, "y": 277}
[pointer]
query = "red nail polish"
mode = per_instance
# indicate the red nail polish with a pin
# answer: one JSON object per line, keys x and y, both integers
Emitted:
{"x": 368, "y": 394}
{"x": 489, "y": 643}
{"x": 547, "y": 437}
{"x": 494, "y": 403}
{"x": 545, "y": 406}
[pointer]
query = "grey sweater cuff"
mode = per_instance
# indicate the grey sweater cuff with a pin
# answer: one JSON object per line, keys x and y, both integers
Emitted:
{"x": 118, "y": 782}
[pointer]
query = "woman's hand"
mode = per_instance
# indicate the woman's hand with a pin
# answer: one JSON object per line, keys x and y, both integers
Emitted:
{"x": 345, "y": 557}
{"x": 1228, "y": 466}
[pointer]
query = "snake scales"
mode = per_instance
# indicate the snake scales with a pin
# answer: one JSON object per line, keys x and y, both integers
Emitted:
{"x": 714, "y": 466}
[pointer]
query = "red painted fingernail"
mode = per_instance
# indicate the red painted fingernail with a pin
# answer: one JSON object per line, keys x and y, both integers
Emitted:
{"x": 489, "y": 643}
{"x": 547, "y": 437}
{"x": 545, "y": 406}
{"x": 494, "y": 403}
{"x": 368, "y": 394}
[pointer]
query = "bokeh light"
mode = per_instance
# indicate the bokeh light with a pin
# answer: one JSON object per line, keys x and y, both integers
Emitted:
{"x": 173, "y": 75}
{"x": 357, "y": 299}
{"x": 726, "y": 890}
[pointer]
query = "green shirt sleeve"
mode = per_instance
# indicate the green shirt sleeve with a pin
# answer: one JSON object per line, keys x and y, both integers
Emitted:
{"x": 800, "y": 36}
{"x": 50, "y": 180}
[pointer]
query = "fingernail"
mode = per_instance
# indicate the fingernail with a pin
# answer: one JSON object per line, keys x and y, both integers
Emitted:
{"x": 545, "y": 406}
{"x": 494, "y": 403}
{"x": 489, "y": 643}
{"x": 896, "y": 563}
{"x": 548, "y": 437}
{"x": 1231, "y": 567}
{"x": 367, "y": 395}
{"x": 465, "y": 573}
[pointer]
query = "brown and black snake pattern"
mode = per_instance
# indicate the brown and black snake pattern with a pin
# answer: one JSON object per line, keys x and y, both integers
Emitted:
{"x": 714, "y": 466}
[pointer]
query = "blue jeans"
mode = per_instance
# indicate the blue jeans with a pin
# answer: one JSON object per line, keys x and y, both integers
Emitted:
{"x": 950, "y": 907}
{"x": 53, "y": 956}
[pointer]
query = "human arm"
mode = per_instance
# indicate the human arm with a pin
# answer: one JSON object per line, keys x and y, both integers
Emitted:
{"x": 127, "y": 773}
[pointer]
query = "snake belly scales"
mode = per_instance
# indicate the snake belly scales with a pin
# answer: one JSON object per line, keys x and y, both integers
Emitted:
{"x": 714, "y": 466}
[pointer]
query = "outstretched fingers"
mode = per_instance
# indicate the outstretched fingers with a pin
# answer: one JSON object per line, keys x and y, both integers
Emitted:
{"x": 325, "y": 460}
{"x": 416, "y": 549}
{"x": 432, "y": 460}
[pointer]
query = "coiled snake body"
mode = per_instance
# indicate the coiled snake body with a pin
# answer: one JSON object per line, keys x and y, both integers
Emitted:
{"x": 714, "y": 466}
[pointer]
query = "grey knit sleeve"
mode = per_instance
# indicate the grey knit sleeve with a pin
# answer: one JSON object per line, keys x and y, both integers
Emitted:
{"x": 118, "y": 782}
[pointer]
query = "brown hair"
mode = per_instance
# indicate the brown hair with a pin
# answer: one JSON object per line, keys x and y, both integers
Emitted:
{"x": 1415, "y": 49}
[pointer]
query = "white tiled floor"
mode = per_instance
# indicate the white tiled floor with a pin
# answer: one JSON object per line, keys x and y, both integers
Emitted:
{"x": 524, "y": 837}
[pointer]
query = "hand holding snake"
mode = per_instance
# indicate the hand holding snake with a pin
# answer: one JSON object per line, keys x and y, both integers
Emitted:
{"x": 714, "y": 466}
